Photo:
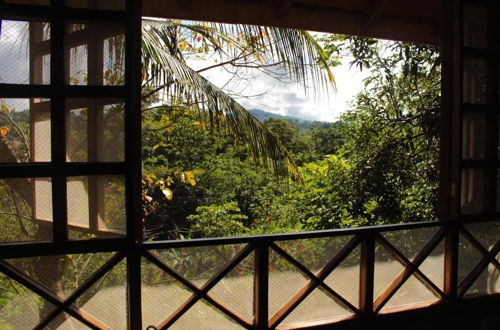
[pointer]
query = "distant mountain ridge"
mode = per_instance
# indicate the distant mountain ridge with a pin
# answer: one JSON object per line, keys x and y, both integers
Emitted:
{"x": 262, "y": 115}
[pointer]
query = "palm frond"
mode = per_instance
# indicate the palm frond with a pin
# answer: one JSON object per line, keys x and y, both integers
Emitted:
{"x": 302, "y": 57}
{"x": 164, "y": 68}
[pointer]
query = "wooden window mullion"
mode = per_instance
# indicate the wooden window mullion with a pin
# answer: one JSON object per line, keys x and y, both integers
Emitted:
{"x": 59, "y": 65}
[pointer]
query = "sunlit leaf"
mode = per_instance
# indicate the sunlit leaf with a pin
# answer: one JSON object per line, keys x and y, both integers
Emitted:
{"x": 168, "y": 193}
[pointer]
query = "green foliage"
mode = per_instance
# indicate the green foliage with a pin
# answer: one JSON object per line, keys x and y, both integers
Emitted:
{"x": 293, "y": 137}
{"x": 175, "y": 139}
{"x": 217, "y": 221}
{"x": 284, "y": 131}
{"x": 15, "y": 131}
{"x": 376, "y": 165}
{"x": 391, "y": 132}
{"x": 325, "y": 200}
{"x": 328, "y": 140}
{"x": 168, "y": 201}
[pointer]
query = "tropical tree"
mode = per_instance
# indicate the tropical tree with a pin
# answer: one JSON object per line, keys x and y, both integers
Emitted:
{"x": 169, "y": 81}
{"x": 391, "y": 134}
{"x": 175, "y": 92}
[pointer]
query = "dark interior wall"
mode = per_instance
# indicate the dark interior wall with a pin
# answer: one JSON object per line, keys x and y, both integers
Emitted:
{"x": 471, "y": 314}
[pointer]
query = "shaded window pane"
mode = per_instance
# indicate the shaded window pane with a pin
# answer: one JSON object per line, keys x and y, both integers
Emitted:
{"x": 94, "y": 130}
{"x": 204, "y": 313}
{"x": 96, "y": 206}
{"x": 475, "y": 23}
{"x": 114, "y": 60}
{"x": 78, "y": 73}
{"x": 197, "y": 264}
{"x": 25, "y": 209}
{"x": 486, "y": 233}
{"x": 25, "y": 130}
{"x": 473, "y": 185}
{"x": 387, "y": 268}
{"x": 236, "y": 289}
{"x": 410, "y": 243}
{"x": 314, "y": 253}
{"x": 488, "y": 282}
{"x": 412, "y": 292}
{"x": 319, "y": 305}
{"x": 285, "y": 280}
{"x": 111, "y": 203}
{"x": 18, "y": 304}
{"x": 103, "y": 5}
{"x": 25, "y": 52}
{"x": 78, "y": 202}
{"x": 474, "y": 80}
{"x": 61, "y": 274}
{"x": 111, "y": 144}
{"x": 433, "y": 266}
{"x": 468, "y": 258}
{"x": 95, "y": 54}
{"x": 76, "y": 132}
{"x": 66, "y": 321}
{"x": 105, "y": 300}
{"x": 161, "y": 294}
{"x": 473, "y": 135}
{"x": 344, "y": 279}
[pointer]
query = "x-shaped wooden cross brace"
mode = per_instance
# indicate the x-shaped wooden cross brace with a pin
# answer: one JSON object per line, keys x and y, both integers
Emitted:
{"x": 199, "y": 293}
{"x": 63, "y": 305}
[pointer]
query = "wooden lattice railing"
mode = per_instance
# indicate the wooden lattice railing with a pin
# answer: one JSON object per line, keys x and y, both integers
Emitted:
{"x": 269, "y": 281}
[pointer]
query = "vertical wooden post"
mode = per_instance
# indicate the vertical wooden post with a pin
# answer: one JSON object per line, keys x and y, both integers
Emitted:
{"x": 134, "y": 289}
{"x": 451, "y": 119}
{"x": 133, "y": 41}
{"x": 95, "y": 56}
{"x": 58, "y": 66}
{"x": 261, "y": 286}
{"x": 133, "y": 127}
{"x": 492, "y": 91}
{"x": 366, "y": 275}
{"x": 451, "y": 261}
{"x": 447, "y": 173}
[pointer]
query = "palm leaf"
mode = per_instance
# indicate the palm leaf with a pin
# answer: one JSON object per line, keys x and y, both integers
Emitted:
{"x": 164, "y": 68}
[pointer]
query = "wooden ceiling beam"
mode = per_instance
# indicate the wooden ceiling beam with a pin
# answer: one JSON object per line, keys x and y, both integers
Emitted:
{"x": 281, "y": 8}
{"x": 373, "y": 11}
{"x": 185, "y": 4}
{"x": 299, "y": 15}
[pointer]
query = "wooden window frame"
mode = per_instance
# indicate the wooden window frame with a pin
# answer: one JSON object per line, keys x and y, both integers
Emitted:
{"x": 131, "y": 247}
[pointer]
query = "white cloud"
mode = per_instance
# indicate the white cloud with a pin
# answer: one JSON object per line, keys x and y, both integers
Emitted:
{"x": 254, "y": 89}
{"x": 14, "y": 52}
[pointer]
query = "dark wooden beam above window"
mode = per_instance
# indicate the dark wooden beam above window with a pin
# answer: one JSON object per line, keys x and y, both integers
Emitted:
{"x": 282, "y": 7}
{"x": 373, "y": 12}
{"x": 404, "y": 20}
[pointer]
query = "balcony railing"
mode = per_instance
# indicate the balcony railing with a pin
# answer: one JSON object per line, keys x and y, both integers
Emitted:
{"x": 269, "y": 281}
